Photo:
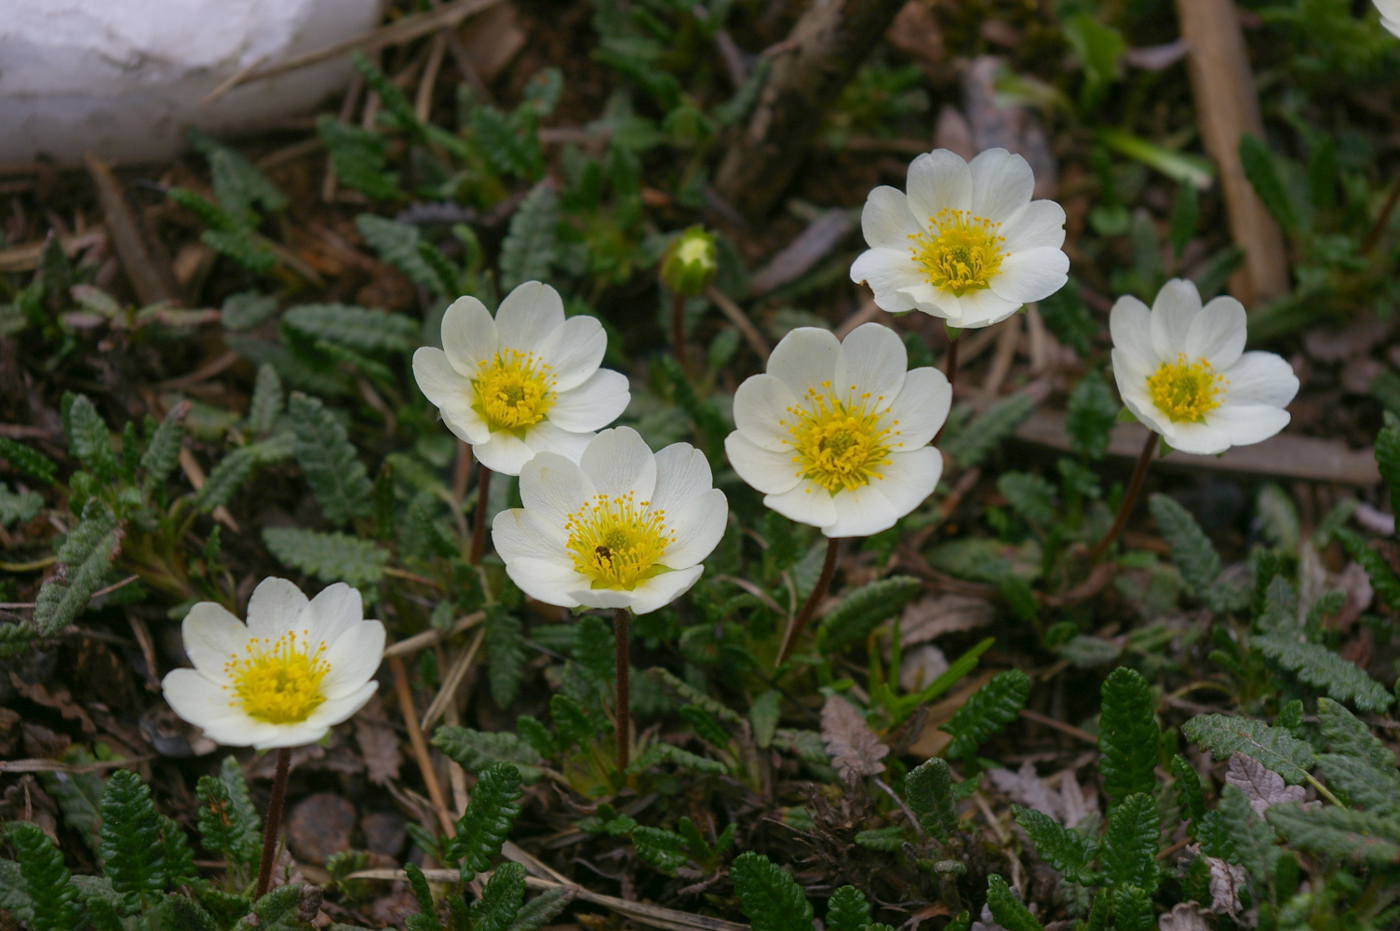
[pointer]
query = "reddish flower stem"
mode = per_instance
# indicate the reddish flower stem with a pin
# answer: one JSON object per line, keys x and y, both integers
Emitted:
{"x": 623, "y": 635}
{"x": 273, "y": 822}
{"x": 799, "y": 623}
{"x": 483, "y": 491}
{"x": 1125, "y": 508}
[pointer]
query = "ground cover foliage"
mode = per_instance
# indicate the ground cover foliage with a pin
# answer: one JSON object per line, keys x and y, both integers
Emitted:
{"x": 982, "y": 728}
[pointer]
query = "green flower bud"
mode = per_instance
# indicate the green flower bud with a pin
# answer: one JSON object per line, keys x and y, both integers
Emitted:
{"x": 689, "y": 264}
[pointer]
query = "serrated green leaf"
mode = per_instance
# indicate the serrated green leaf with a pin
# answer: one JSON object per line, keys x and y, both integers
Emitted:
{"x": 79, "y": 797}
{"x": 1346, "y": 735}
{"x": 1275, "y": 747}
{"x": 1339, "y": 833}
{"x": 1090, "y": 416}
{"x": 1194, "y": 554}
{"x": 847, "y": 910}
{"x": 476, "y": 750}
{"x": 48, "y": 896}
{"x": 1128, "y": 735}
{"x": 669, "y": 753}
{"x": 163, "y": 450}
{"x": 1007, "y": 909}
{"x": 1131, "y": 909}
{"x": 1251, "y": 838}
{"x": 505, "y": 647}
{"x": 530, "y": 248}
{"x": 398, "y": 244}
{"x": 238, "y": 183}
{"x": 18, "y": 506}
{"x": 887, "y": 839}
{"x": 189, "y": 915}
{"x": 928, "y": 790}
{"x": 1383, "y": 579}
{"x": 973, "y": 443}
{"x": 328, "y": 460}
{"x": 769, "y": 896}
{"x": 131, "y": 840}
{"x": 89, "y": 440}
{"x": 1067, "y": 851}
{"x": 244, "y": 247}
{"x": 83, "y": 559}
{"x": 662, "y": 849}
{"x": 1362, "y": 785}
{"x": 860, "y": 611}
{"x": 1262, "y": 171}
{"x": 1387, "y": 455}
{"x": 228, "y": 823}
{"x": 360, "y": 328}
{"x": 693, "y": 696}
{"x": 1188, "y": 787}
{"x": 1029, "y": 495}
{"x": 705, "y": 726}
{"x": 1319, "y": 667}
{"x": 359, "y": 159}
{"x": 764, "y": 714}
{"x": 987, "y": 711}
{"x": 331, "y": 557}
{"x": 484, "y": 826}
{"x": 27, "y": 461}
{"x": 500, "y": 901}
{"x": 266, "y": 405}
{"x": 571, "y": 720}
{"x": 246, "y": 309}
{"x": 1128, "y": 851}
{"x": 542, "y": 909}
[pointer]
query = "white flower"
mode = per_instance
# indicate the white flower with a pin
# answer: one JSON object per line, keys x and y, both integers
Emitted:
{"x": 621, "y": 528}
{"x": 836, "y": 434}
{"x": 525, "y": 382}
{"x": 966, "y": 243}
{"x": 294, "y": 671}
{"x": 1182, "y": 370}
{"x": 1390, "y": 14}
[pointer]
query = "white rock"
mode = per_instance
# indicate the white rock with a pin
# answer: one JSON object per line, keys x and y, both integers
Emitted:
{"x": 121, "y": 78}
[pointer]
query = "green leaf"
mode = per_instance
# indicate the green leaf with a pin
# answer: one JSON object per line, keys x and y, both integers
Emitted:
{"x": 190, "y": 915}
{"x": 1067, "y": 851}
{"x": 131, "y": 841}
{"x": 331, "y": 557}
{"x": 27, "y": 461}
{"x": 1346, "y": 735}
{"x": 705, "y": 726}
{"x": 1387, "y": 455}
{"x": 500, "y": 901}
{"x": 79, "y": 797}
{"x": 505, "y": 647}
{"x": 1130, "y": 909}
{"x": 360, "y": 328}
{"x": 1128, "y": 735}
{"x": 246, "y": 309}
{"x": 427, "y": 909}
{"x": 594, "y": 649}
{"x": 769, "y": 896}
{"x": 227, "y": 821}
{"x": 332, "y": 469}
{"x": 928, "y": 790}
{"x": 1007, "y": 909}
{"x": 266, "y": 405}
{"x": 1275, "y": 747}
{"x": 1262, "y": 171}
{"x": 1090, "y": 416}
{"x": 887, "y": 839}
{"x": 483, "y": 828}
{"x": 1099, "y": 49}
{"x": 543, "y": 909}
{"x": 662, "y": 849}
{"x": 703, "y": 413}
{"x": 477, "y": 750}
{"x": 764, "y": 714}
{"x": 359, "y": 159}
{"x": 688, "y": 694}
{"x": 571, "y": 720}
{"x": 1193, "y": 554}
{"x": 1251, "y": 838}
{"x": 975, "y": 442}
{"x": 18, "y": 506}
{"x": 1383, "y": 578}
{"x": 1186, "y": 212}
{"x": 1319, "y": 667}
{"x": 163, "y": 450}
{"x": 1128, "y": 851}
{"x": 83, "y": 559}
{"x": 860, "y": 611}
{"x": 398, "y": 244}
{"x": 89, "y": 439}
{"x": 987, "y": 711}
{"x": 1066, "y": 316}
{"x": 1339, "y": 833}
{"x": 238, "y": 183}
{"x": 1188, "y": 786}
{"x": 847, "y": 910}
{"x": 670, "y": 753}
{"x": 1029, "y": 495}
{"x": 1362, "y": 785}
{"x": 530, "y": 248}
{"x": 47, "y": 884}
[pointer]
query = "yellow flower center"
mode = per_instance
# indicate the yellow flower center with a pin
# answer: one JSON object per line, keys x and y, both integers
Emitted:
{"x": 961, "y": 253}
{"x": 278, "y": 681}
{"x": 514, "y": 390}
{"x": 840, "y": 445}
{"x": 1186, "y": 390}
{"x": 618, "y": 542}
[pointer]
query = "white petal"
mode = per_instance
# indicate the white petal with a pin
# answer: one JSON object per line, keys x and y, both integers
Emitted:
{"x": 886, "y": 220}
{"x": 554, "y": 486}
{"x": 528, "y": 315}
{"x": 1246, "y": 424}
{"x": 983, "y": 308}
{"x": 1198, "y": 439}
{"x": 805, "y": 503}
{"x": 805, "y": 359}
{"x": 340, "y": 708}
{"x": 212, "y": 637}
{"x": 618, "y": 461}
{"x": 872, "y": 361}
{"x": 521, "y": 533}
{"x": 921, "y": 407}
{"x": 546, "y": 437}
{"x": 890, "y": 275}
{"x": 275, "y": 607}
{"x": 503, "y": 452}
{"x": 909, "y": 479}
{"x": 592, "y": 405}
{"x": 332, "y": 612}
{"x": 698, "y": 524}
{"x": 1261, "y": 378}
{"x": 661, "y": 590}
{"x": 549, "y": 581}
{"x": 292, "y": 735}
{"x": 938, "y": 180}
{"x": 1130, "y": 326}
{"x": 1041, "y": 223}
{"x": 682, "y": 473}
{"x": 860, "y": 513}
{"x": 468, "y": 336}
{"x": 761, "y": 406}
{"x": 1032, "y": 275}
{"x": 769, "y": 472}
{"x": 1001, "y": 184}
{"x": 465, "y": 424}
{"x": 1218, "y": 333}
{"x": 1133, "y": 390}
{"x": 195, "y": 698}
{"x": 574, "y": 351}
{"x": 1177, "y": 304}
{"x": 353, "y": 659}
{"x": 438, "y": 380}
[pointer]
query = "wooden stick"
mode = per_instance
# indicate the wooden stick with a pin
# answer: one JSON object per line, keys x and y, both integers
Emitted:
{"x": 151, "y": 275}
{"x": 420, "y": 746}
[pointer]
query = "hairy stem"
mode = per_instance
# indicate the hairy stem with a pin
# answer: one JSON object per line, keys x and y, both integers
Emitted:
{"x": 273, "y": 822}
{"x": 809, "y": 606}
{"x": 1125, "y": 509}
{"x": 483, "y": 491}
{"x": 623, "y": 635}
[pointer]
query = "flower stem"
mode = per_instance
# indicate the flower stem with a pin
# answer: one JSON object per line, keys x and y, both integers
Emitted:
{"x": 1125, "y": 508}
{"x": 623, "y": 636}
{"x": 483, "y": 491}
{"x": 1382, "y": 219}
{"x": 273, "y": 822}
{"x": 810, "y": 605}
{"x": 678, "y": 331}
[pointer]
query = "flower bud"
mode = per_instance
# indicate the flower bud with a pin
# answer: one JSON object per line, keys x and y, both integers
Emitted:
{"x": 689, "y": 264}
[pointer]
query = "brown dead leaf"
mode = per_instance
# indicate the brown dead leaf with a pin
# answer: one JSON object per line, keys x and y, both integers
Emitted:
{"x": 492, "y": 39}
{"x": 1261, "y": 785}
{"x": 1184, "y": 916}
{"x": 1074, "y": 807}
{"x": 60, "y": 700}
{"x": 811, "y": 245}
{"x": 915, "y": 32}
{"x": 854, "y": 749}
{"x": 933, "y": 617}
{"x": 1340, "y": 345}
{"x": 952, "y": 132}
{"x": 320, "y": 826}
{"x": 1008, "y": 126}
{"x": 1226, "y": 880}
{"x": 1025, "y": 787}
{"x": 378, "y": 743}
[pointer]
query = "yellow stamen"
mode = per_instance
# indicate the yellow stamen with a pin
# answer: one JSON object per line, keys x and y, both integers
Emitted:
{"x": 840, "y": 445}
{"x": 618, "y": 542}
{"x": 514, "y": 390}
{"x": 961, "y": 253}
{"x": 278, "y": 681}
{"x": 1186, "y": 390}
